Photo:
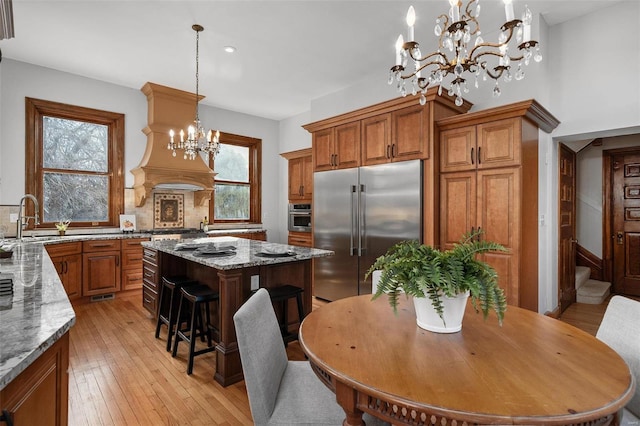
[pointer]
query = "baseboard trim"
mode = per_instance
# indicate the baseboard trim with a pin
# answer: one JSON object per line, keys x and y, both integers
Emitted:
{"x": 585, "y": 258}
{"x": 554, "y": 314}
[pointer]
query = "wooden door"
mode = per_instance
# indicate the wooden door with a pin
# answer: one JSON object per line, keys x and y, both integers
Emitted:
{"x": 457, "y": 206}
{"x": 458, "y": 149}
{"x": 307, "y": 178}
{"x": 566, "y": 228}
{"x": 101, "y": 272}
{"x": 323, "y": 154}
{"x": 498, "y": 216}
{"x": 295, "y": 179}
{"x": 410, "y": 128}
{"x": 347, "y": 145}
{"x": 626, "y": 223}
{"x": 376, "y": 140}
{"x": 498, "y": 144}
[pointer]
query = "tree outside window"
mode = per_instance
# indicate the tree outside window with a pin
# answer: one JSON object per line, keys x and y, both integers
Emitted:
{"x": 74, "y": 163}
{"x": 237, "y": 195}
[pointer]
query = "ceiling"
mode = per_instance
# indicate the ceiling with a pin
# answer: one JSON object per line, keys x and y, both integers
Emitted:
{"x": 288, "y": 52}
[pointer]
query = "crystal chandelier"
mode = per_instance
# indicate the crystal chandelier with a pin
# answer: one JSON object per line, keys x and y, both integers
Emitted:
{"x": 459, "y": 56}
{"x": 196, "y": 139}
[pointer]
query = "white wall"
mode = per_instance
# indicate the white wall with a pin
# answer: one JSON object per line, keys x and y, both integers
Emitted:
{"x": 589, "y": 191}
{"x": 595, "y": 69}
{"x": 20, "y": 80}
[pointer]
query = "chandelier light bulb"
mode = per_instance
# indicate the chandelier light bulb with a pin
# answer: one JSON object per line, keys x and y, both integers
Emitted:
{"x": 411, "y": 20}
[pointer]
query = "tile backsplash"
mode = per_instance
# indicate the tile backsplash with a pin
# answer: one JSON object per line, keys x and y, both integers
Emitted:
{"x": 144, "y": 215}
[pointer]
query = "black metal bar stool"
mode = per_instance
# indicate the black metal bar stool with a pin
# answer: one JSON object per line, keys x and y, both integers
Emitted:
{"x": 169, "y": 301}
{"x": 282, "y": 294}
{"x": 196, "y": 296}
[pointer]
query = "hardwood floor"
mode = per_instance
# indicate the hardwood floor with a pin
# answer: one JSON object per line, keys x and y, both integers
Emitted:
{"x": 121, "y": 375}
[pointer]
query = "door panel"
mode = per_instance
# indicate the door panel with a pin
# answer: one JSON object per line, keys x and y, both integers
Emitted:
{"x": 323, "y": 150}
{"x": 506, "y": 266}
{"x": 626, "y": 223}
{"x": 410, "y": 127}
{"x": 457, "y": 206}
{"x": 376, "y": 140}
{"x": 457, "y": 149}
{"x": 499, "y": 144}
{"x": 347, "y": 145}
{"x": 498, "y": 209}
{"x": 567, "y": 228}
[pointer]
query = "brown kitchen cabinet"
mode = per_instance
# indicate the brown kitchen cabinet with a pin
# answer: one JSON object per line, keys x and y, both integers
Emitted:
{"x": 489, "y": 181}
{"x": 397, "y": 136}
{"x": 101, "y": 267}
{"x": 132, "y": 263}
{"x": 337, "y": 147}
{"x": 300, "y": 166}
{"x": 67, "y": 259}
{"x": 300, "y": 239}
{"x": 484, "y": 146}
{"x": 40, "y": 394}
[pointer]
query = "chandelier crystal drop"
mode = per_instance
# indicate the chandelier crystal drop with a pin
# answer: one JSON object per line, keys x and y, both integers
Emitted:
{"x": 462, "y": 52}
{"x": 195, "y": 140}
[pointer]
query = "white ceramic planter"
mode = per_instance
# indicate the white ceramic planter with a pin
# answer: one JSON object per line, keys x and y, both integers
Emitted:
{"x": 428, "y": 318}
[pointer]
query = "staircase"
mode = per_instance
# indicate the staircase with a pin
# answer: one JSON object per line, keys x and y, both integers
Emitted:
{"x": 590, "y": 291}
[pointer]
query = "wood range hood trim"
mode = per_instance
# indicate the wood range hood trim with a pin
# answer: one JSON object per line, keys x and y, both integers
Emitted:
{"x": 169, "y": 108}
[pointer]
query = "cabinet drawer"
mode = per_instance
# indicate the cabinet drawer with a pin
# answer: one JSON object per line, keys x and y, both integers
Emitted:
{"x": 149, "y": 300}
{"x": 132, "y": 243}
{"x": 150, "y": 255}
{"x": 150, "y": 276}
{"x": 100, "y": 245}
{"x": 131, "y": 259}
{"x": 131, "y": 280}
{"x": 64, "y": 249}
{"x": 300, "y": 239}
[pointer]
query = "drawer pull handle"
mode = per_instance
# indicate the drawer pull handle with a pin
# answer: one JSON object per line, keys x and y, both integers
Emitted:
{"x": 5, "y": 416}
{"x": 102, "y": 245}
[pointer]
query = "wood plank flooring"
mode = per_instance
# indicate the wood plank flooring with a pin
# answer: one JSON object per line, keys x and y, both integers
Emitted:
{"x": 121, "y": 375}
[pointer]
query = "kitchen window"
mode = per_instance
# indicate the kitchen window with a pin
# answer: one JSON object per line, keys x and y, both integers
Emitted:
{"x": 74, "y": 163}
{"x": 237, "y": 192}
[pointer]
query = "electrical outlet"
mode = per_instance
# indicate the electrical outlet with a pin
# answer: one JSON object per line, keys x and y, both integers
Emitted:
{"x": 13, "y": 217}
{"x": 255, "y": 282}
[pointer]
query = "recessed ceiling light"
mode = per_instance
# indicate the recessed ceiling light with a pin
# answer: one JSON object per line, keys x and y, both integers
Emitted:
{"x": 229, "y": 49}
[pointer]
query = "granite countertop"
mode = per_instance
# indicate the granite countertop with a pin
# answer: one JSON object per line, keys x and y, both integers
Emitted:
{"x": 246, "y": 253}
{"x": 36, "y": 315}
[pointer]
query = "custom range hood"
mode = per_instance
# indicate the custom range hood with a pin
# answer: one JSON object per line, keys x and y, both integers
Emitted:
{"x": 169, "y": 109}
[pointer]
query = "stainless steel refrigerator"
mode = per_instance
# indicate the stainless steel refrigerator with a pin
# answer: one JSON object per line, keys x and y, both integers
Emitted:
{"x": 359, "y": 213}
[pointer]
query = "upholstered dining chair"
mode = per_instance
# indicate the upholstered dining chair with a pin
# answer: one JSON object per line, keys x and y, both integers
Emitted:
{"x": 281, "y": 392}
{"x": 620, "y": 329}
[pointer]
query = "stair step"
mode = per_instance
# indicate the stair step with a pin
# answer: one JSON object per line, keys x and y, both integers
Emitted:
{"x": 582, "y": 275}
{"x": 593, "y": 292}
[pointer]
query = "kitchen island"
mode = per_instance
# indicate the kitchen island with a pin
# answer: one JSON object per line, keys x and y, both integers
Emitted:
{"x": 35, "y": 318}
{"x": 234, "y": 275}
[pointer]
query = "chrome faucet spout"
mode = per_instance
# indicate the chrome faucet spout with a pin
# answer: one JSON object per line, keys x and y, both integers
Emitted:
{"x": 24, "y": 220}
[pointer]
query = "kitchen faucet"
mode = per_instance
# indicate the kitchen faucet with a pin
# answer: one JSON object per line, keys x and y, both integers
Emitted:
{"x": 24, "y": 220}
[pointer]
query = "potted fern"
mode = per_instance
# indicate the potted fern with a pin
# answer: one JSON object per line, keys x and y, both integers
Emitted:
{"x": 441, "y": 281}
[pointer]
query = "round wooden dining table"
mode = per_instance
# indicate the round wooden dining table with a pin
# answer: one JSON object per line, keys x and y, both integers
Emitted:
{"x": 532, "y": 370}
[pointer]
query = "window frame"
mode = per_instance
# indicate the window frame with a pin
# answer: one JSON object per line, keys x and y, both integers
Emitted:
{"x": 255, "y": 171}
{"x": 35, "y": 110}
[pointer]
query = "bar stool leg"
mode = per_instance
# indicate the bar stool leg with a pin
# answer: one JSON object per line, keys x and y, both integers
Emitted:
{"x": 176, "y": 338}
{"x": 195, "y": 323}
{"x": 159, "y": 321}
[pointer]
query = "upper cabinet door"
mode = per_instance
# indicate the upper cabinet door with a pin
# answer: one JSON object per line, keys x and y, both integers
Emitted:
{"x": 458, "y": 149}
{"x": 410, "y": 128}
{"x": 323, "y": 154}
{"x": 376, "y": 140}
{"x": 347, "y": 146}
{"x": 499, "y": 144}
{"x": 307, "y": 178}
{"x": 296, "y": 185}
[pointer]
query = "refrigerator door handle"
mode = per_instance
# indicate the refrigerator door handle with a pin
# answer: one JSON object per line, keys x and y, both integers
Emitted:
{"x": 362, "y": 236}
{"x": 354, "y": 212}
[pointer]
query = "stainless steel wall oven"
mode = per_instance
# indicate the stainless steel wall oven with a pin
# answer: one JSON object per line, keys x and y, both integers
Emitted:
{"x": 300, "y": 217}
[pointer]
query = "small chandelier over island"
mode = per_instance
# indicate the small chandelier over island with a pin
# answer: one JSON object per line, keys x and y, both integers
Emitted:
{"x": 458, "y": 56}
{"x": 197, "y": 139}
